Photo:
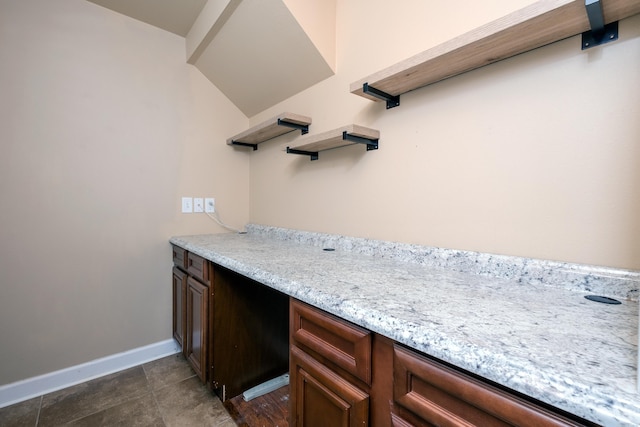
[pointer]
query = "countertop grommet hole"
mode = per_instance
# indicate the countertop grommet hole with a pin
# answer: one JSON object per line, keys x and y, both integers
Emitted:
{"x": 600, "y": 298}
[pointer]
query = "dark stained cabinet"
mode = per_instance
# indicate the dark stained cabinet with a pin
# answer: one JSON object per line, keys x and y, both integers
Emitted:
{"x": 197, "y": 327}
{"x": 320, "y": 397}
{"x": 238, "y": 333}
{"x": 233, "y": 331}
{"x": 330, "y": 369}
{"x": 192, "y": 292}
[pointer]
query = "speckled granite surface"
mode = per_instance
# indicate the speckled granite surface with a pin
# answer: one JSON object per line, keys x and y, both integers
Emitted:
{"x": 510, "y": 320}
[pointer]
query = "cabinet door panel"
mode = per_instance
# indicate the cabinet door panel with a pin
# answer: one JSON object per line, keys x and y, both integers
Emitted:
{"x": 179, "y": 306}
{"x": 443, "y": 396}
{"x": 321, "y": 398}
{"x": 346, "y": 345}
{"x": 197, "y": 326}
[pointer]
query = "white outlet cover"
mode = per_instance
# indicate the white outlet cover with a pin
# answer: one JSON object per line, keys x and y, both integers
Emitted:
{"x": 210, "y": 205}
{"x": 198, "y": 204}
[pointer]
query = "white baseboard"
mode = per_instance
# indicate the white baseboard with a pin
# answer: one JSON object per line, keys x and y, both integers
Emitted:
{"x": 37, "y": 386}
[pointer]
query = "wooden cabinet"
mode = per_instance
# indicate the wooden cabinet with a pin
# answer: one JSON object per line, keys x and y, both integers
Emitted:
{"x": 238, "y": 333}
{"x": 330, "y": 369}
{"x": 344, "y": 375}
{"x": 429, "y": 393}
{"x": 192, "y": 289}
{"x": 233, "y": 331}
{"x": 197, "y": 333}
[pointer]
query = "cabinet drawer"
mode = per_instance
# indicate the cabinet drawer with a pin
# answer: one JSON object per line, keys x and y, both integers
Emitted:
{"x": 179, "y": 257}
{"x": 198, "y": 267}
{"x": 440, "y": 395}
{"x": 346, "y": 345}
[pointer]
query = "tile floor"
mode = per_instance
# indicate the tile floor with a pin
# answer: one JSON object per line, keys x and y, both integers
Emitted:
{"x": 164, "y": 392}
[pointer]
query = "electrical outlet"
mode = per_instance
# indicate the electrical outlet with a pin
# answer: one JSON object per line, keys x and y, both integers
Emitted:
{"x": 187, "y": 204}
{"x": 198, "y": 204}
{"x": 210, "y": 205}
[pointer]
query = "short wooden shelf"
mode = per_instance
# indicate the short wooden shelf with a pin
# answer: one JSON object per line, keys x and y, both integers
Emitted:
{"x": 539, "y": 24}
{"x": 276, "y": 126}
{"x": 346, "y": 135}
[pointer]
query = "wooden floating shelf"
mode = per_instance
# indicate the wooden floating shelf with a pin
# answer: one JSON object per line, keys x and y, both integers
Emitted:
{"x": 539, "y": 24}
{"x": 341, "y": 137}
{"x": 276, "y": 126}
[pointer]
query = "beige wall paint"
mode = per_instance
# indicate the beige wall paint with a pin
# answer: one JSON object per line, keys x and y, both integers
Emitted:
{"x": 103, "y": 127}
{"x": 318, "y": 20}
{"x": 535, "y": 156}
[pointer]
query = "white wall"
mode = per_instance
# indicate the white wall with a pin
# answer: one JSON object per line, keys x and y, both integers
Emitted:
{"x": 103, "y": 127}
{"x": 535, "y": 156}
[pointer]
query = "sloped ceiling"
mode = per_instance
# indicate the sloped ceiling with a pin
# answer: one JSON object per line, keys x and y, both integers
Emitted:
{"x": 176, "y": 16}
{"x": 257, "y": 52}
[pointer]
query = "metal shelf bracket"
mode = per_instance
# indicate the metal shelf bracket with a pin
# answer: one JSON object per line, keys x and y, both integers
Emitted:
{"x": 304, "y": 129}
{"x": 245, "y": 144}
{"x": 392, "y": 100}
{"x": 312, "y": 154}
{"x": 599, "y": 33}
{"x": 372, "y": 144}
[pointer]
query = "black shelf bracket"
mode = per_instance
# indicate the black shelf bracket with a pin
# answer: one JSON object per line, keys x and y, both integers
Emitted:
{"x": 372, "y": 144}
{"x": 312, "y": 154}
{"x": 304, "y": 129}
{"x": 392, "y": 100}
{"x": 245, "y": 144}
{"x": 599, "y": 33}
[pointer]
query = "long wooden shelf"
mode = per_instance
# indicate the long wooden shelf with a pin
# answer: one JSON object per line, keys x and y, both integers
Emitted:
{"x": 341, "y": 137}
{"x": 269, "y": 129}
{"x": 539, "y": 24}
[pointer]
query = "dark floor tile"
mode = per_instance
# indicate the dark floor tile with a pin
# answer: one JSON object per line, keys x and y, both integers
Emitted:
{"x": 168, "y": 370}
{"x": 138, "y": 412}
{"x": 189, "y": 403}
{"x": 93, "y": 396}
{"x": 21, "y": 414}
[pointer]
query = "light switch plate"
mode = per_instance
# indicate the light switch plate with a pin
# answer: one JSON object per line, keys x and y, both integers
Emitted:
{"x": 187, "y": 205}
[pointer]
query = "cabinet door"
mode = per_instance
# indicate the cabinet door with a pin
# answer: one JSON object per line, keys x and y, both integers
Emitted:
{"x": 179, "y": 306}
{"x": 321, "y": 398}
{"x": 197, "y": 326}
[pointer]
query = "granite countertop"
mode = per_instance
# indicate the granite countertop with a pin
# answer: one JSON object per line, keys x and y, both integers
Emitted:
{"x": 503, "y": 318}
